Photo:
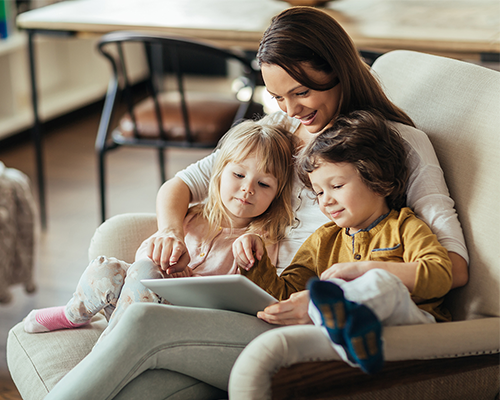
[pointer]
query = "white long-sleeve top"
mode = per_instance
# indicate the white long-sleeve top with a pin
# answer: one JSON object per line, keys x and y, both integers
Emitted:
{"x": 427, "y": 195}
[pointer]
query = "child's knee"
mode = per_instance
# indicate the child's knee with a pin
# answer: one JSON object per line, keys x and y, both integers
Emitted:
{"x": 104, "y": 265}
{"x": 104, "y": 271}
{"x": 144, "y": 269}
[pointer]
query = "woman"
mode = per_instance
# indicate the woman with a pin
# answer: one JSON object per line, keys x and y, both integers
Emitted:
{"x": 311, "y": 67}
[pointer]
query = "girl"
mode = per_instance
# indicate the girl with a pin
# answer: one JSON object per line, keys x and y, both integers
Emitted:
{"x": 311, "y": 67}
{"x": 249, "y": 191}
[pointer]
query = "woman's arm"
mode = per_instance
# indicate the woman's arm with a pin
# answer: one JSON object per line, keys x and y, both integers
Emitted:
{"x": 459, "y": 270}
{"x": 166, "y": 247}
{"x": 429, "y": 198}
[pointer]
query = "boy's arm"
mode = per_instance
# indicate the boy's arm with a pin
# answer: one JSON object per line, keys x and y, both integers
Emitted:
{"x": 263, "y": 273}
{"x": 293, "y": 279}
{"x": 425, "y": 269}
{"x": 433, "y": 274}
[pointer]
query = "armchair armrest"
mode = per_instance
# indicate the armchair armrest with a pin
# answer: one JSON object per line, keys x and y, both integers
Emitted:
{"x": 121, "y": 235}
{"x": 444, "y": 343}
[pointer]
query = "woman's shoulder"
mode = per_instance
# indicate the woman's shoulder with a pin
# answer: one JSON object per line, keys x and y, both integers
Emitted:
{"x": 407, "y": 130}
{"x": 418, "y": 145}
{"x": 410, "y": 134}
{"x": 281, "y": 118}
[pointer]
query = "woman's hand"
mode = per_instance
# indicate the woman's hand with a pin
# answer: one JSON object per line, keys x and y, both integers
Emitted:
{"x": 288, "y": 312}
{"x": 169, "y": 251}
{"x": 166, "y": 247}
{"x": 244, "y": 249}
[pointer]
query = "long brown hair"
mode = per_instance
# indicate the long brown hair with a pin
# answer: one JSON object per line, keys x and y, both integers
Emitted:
{"x": 365, "y": 140}
{"x": 307, "y": 35}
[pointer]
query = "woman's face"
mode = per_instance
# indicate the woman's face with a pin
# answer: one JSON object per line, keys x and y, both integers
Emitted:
{"x": 315, "y": 109}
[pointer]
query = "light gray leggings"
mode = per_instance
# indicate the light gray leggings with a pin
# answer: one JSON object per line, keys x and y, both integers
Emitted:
{"x": 197, "y": 347}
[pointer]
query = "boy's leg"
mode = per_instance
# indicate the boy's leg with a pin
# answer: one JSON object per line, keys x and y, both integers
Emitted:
{"x": 353, "y": 312}
{"x": 353, "y": 328}
{"x": 99, "y": 287}
{"x": 387, "y": 296}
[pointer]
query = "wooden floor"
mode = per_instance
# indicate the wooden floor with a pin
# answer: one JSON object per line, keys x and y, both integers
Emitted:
{"x": 72, "y": 208}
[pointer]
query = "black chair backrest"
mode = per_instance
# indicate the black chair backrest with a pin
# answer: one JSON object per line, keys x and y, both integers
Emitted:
{"x": 164, "y": 52}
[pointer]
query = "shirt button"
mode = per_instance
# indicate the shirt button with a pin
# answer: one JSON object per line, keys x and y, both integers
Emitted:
{"x": 357, "y": 256}
{"x": 202, "y": 254}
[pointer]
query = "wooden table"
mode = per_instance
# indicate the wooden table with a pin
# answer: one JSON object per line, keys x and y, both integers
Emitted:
{"x": 461, "y": 29}
{"x": 451, "y": 26}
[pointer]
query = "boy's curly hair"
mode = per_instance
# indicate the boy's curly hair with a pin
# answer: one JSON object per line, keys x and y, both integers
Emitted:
{"x": 364, "y": 139}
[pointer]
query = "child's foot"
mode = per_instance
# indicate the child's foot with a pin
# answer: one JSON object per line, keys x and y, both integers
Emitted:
{"x": 353, "y": 326}
{"x": 363, "y": 337}
{"x": 330, "y": 302}
{"x": 48, "y": 319}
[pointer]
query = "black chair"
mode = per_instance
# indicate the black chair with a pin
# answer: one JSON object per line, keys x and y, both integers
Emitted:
{"x": 161, "y": 118}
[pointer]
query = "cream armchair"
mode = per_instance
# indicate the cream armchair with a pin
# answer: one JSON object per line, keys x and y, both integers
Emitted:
{"x": 458, "y": 105}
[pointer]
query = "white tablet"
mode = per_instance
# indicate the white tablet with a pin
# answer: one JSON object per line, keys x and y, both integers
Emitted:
{"x": 224, "y": 292}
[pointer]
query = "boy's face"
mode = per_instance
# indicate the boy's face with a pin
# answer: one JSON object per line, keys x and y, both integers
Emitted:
{"x": 344, "y": 197}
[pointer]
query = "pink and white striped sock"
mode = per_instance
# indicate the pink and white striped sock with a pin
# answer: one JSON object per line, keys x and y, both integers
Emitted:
{"x": 48, "y": 319}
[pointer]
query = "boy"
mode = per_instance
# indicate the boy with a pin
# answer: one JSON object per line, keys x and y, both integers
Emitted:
{"x": 379, "y": 264}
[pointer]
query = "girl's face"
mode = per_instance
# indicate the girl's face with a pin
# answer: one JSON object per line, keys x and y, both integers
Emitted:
{"x": 344, "y": 197}
{"x": 246, "y": 191}
{"x": 315, "y": 109}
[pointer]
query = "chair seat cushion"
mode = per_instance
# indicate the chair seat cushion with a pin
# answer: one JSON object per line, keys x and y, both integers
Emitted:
{"x": 210, "y": 116}
{"x": 37, "y": 361}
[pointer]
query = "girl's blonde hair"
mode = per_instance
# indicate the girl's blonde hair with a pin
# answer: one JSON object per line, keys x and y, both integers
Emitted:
{"x": 274, "y": 147}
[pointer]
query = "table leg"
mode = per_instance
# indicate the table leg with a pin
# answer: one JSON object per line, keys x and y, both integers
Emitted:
{"x": 36, "y": 133}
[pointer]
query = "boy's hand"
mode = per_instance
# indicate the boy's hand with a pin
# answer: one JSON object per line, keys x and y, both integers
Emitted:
{"x": 168, "y": 251}
{"x": 288, "y": 312}
{"x": 244, "y": 249}
{"x": 349, "y": 270}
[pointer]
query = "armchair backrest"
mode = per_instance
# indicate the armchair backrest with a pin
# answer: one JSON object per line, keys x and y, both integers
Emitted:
{"x": 458, "y": 105}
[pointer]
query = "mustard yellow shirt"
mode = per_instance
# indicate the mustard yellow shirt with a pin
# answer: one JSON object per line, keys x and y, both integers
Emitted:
{"x": 398, "y": 236}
